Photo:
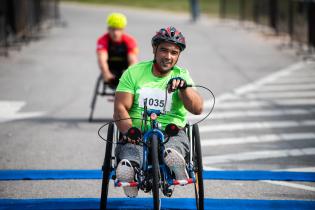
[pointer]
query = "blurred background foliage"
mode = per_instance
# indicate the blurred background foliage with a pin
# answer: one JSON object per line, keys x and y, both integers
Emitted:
{"x": 209, "y": 7}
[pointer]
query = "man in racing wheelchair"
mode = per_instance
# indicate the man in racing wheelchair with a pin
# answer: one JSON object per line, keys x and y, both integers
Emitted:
{"x": 116, "y": 50}
{"x": 146, "y": 81}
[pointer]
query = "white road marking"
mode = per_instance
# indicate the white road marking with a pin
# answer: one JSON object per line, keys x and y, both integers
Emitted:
{"x": 307, "y": 71}
{"x": 266, "y": 154}
{"x": 292, "y": 82}
{"x": 292, "y": 185}
{"x": 255, "y": 125}
{"x": 209, "y": 168}
{"x": 258, "y": 139}
{"x": 286, "y": 87}
{"x": 281, "y": 183}
{"x": 254, "y": 113}
{"x": 242, "y": 104}
{"x": 296, "y": 79}
{"x": 220, "y": 99}
{"x": 270, "y": 95}
{"x": 260, "y": 103}
{"x": 258, "y": 83}
{"x": 9, "y": 110}
{"x": 303, "y": 169}
{"x": 294, "y": 102}
{"x": 270, "y": 78}
{"x": 278, "y": 89}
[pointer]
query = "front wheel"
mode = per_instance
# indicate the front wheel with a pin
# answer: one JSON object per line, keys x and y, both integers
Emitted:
{"x": 107, "y": 166}
{"x": 155, "y": 172}
{"x": 198, "y": 168}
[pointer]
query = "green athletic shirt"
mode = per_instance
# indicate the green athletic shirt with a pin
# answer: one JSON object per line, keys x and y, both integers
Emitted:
{"x": 140, "y": 81}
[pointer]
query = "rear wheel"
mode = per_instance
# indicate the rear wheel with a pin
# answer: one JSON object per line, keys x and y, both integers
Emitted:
{"x": 155, "y": 172}
{"x": 93, "y": 103}
{"x": 198, "y": 168}
{"x": 107, "y": 166}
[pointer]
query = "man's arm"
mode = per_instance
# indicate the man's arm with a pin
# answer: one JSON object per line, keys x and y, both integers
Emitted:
{"x": 132, "y": 58}
{"x": 102, "y": 57}
{"x": 192, "y": 101}
{"x": 123, "y": 103}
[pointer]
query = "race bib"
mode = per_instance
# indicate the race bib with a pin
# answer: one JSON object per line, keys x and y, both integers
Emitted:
{"x": 155, "y": 99}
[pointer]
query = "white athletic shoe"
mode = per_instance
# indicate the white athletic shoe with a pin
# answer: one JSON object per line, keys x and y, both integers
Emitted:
{"x": 126, "y": 173}
{"x": 176, "y": 163}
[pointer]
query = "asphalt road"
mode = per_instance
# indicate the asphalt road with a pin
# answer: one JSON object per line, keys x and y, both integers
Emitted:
{"x": 263, "y": 119}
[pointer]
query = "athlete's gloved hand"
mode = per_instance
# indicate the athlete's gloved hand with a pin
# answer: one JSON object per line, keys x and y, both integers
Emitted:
{"x": 126, "y": 139}
{"x": 176, "y": 83}
{"x": 132, "y": 136}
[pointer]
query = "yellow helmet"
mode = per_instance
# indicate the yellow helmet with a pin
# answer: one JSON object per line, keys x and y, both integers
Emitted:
{"x": 116, "y": 20}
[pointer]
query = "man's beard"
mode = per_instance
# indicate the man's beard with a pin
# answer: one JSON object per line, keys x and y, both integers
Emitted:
{"x": 162, "y": 66}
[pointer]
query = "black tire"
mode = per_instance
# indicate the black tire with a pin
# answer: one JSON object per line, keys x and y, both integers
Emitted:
{"x": 155, "y": 172}
{"x": 197, "y": 159}
{"x": 94, "y": 98}
{"x": 107, "y": 166}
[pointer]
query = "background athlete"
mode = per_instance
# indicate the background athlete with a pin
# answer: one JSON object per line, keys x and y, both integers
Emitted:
{"x": 147, "y": 81}
{"x": 116, "y": 50}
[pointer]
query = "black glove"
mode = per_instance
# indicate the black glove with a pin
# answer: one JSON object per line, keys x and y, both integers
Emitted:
{"x": 132, "y": 136}
{"x": 181, "y": 85}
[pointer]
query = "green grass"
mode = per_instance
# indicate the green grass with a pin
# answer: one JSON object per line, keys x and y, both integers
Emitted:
{"x": 210, "y": 7}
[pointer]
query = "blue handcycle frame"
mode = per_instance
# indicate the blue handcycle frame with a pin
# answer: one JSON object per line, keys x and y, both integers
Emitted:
{"x": 165, "y": 172}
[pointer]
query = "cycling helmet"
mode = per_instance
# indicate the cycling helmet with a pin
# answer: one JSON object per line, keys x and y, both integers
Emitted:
{"x": 116, "y": 20}
{"x": 169, "y": 34}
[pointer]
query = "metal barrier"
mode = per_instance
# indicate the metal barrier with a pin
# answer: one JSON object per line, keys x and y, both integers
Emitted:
{"x": 21, "y": 21}
{"x": 295, "y": 18}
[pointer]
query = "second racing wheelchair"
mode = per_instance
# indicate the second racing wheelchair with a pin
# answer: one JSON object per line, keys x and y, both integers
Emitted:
{"x": 102, "y": 88}
{"x": 154, "y": 176}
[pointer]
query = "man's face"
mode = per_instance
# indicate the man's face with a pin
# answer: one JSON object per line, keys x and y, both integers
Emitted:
{"x": 166, "y": 55}
{"x": 115, "y": 33}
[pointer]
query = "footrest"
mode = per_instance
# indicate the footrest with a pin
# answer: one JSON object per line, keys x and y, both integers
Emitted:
{"x": 183, "y": 181}
{"x": 125, "y": 184}
{"x": 172, "y": 182}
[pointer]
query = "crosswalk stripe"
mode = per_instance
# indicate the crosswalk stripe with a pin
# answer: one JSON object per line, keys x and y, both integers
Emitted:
{"x": 258, "y": 83}
{"x": 284, "y": 93}
{"x": 297, "y": 79}
{"x": 255, "y": 113}
{"x": 307, "y": 73}
{"x": 266, "y": 154}
{"x": 303, "y": 169}
{"x": 292, "y": 82}
{"x": 258, "y": 139}
{"x": 256, "y": 125}
{"x": 290, "y": 184}
{"x": 260, "y": 104}
{"x": 10, "y": 110}
{"x": 286, "y": 87}
{"x": 290, "y": 94}
{"x": 280, "y": 183}
{"x": 270, "y": 78}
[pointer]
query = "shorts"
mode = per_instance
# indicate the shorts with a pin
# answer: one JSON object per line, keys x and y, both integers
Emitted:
{"x": 134, "y": 152}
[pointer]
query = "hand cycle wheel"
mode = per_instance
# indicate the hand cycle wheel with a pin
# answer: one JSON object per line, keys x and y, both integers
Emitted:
{"x": 155, "y": 172}
{"x": 107, "y": 166}
{"x": 198, "y": 168}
